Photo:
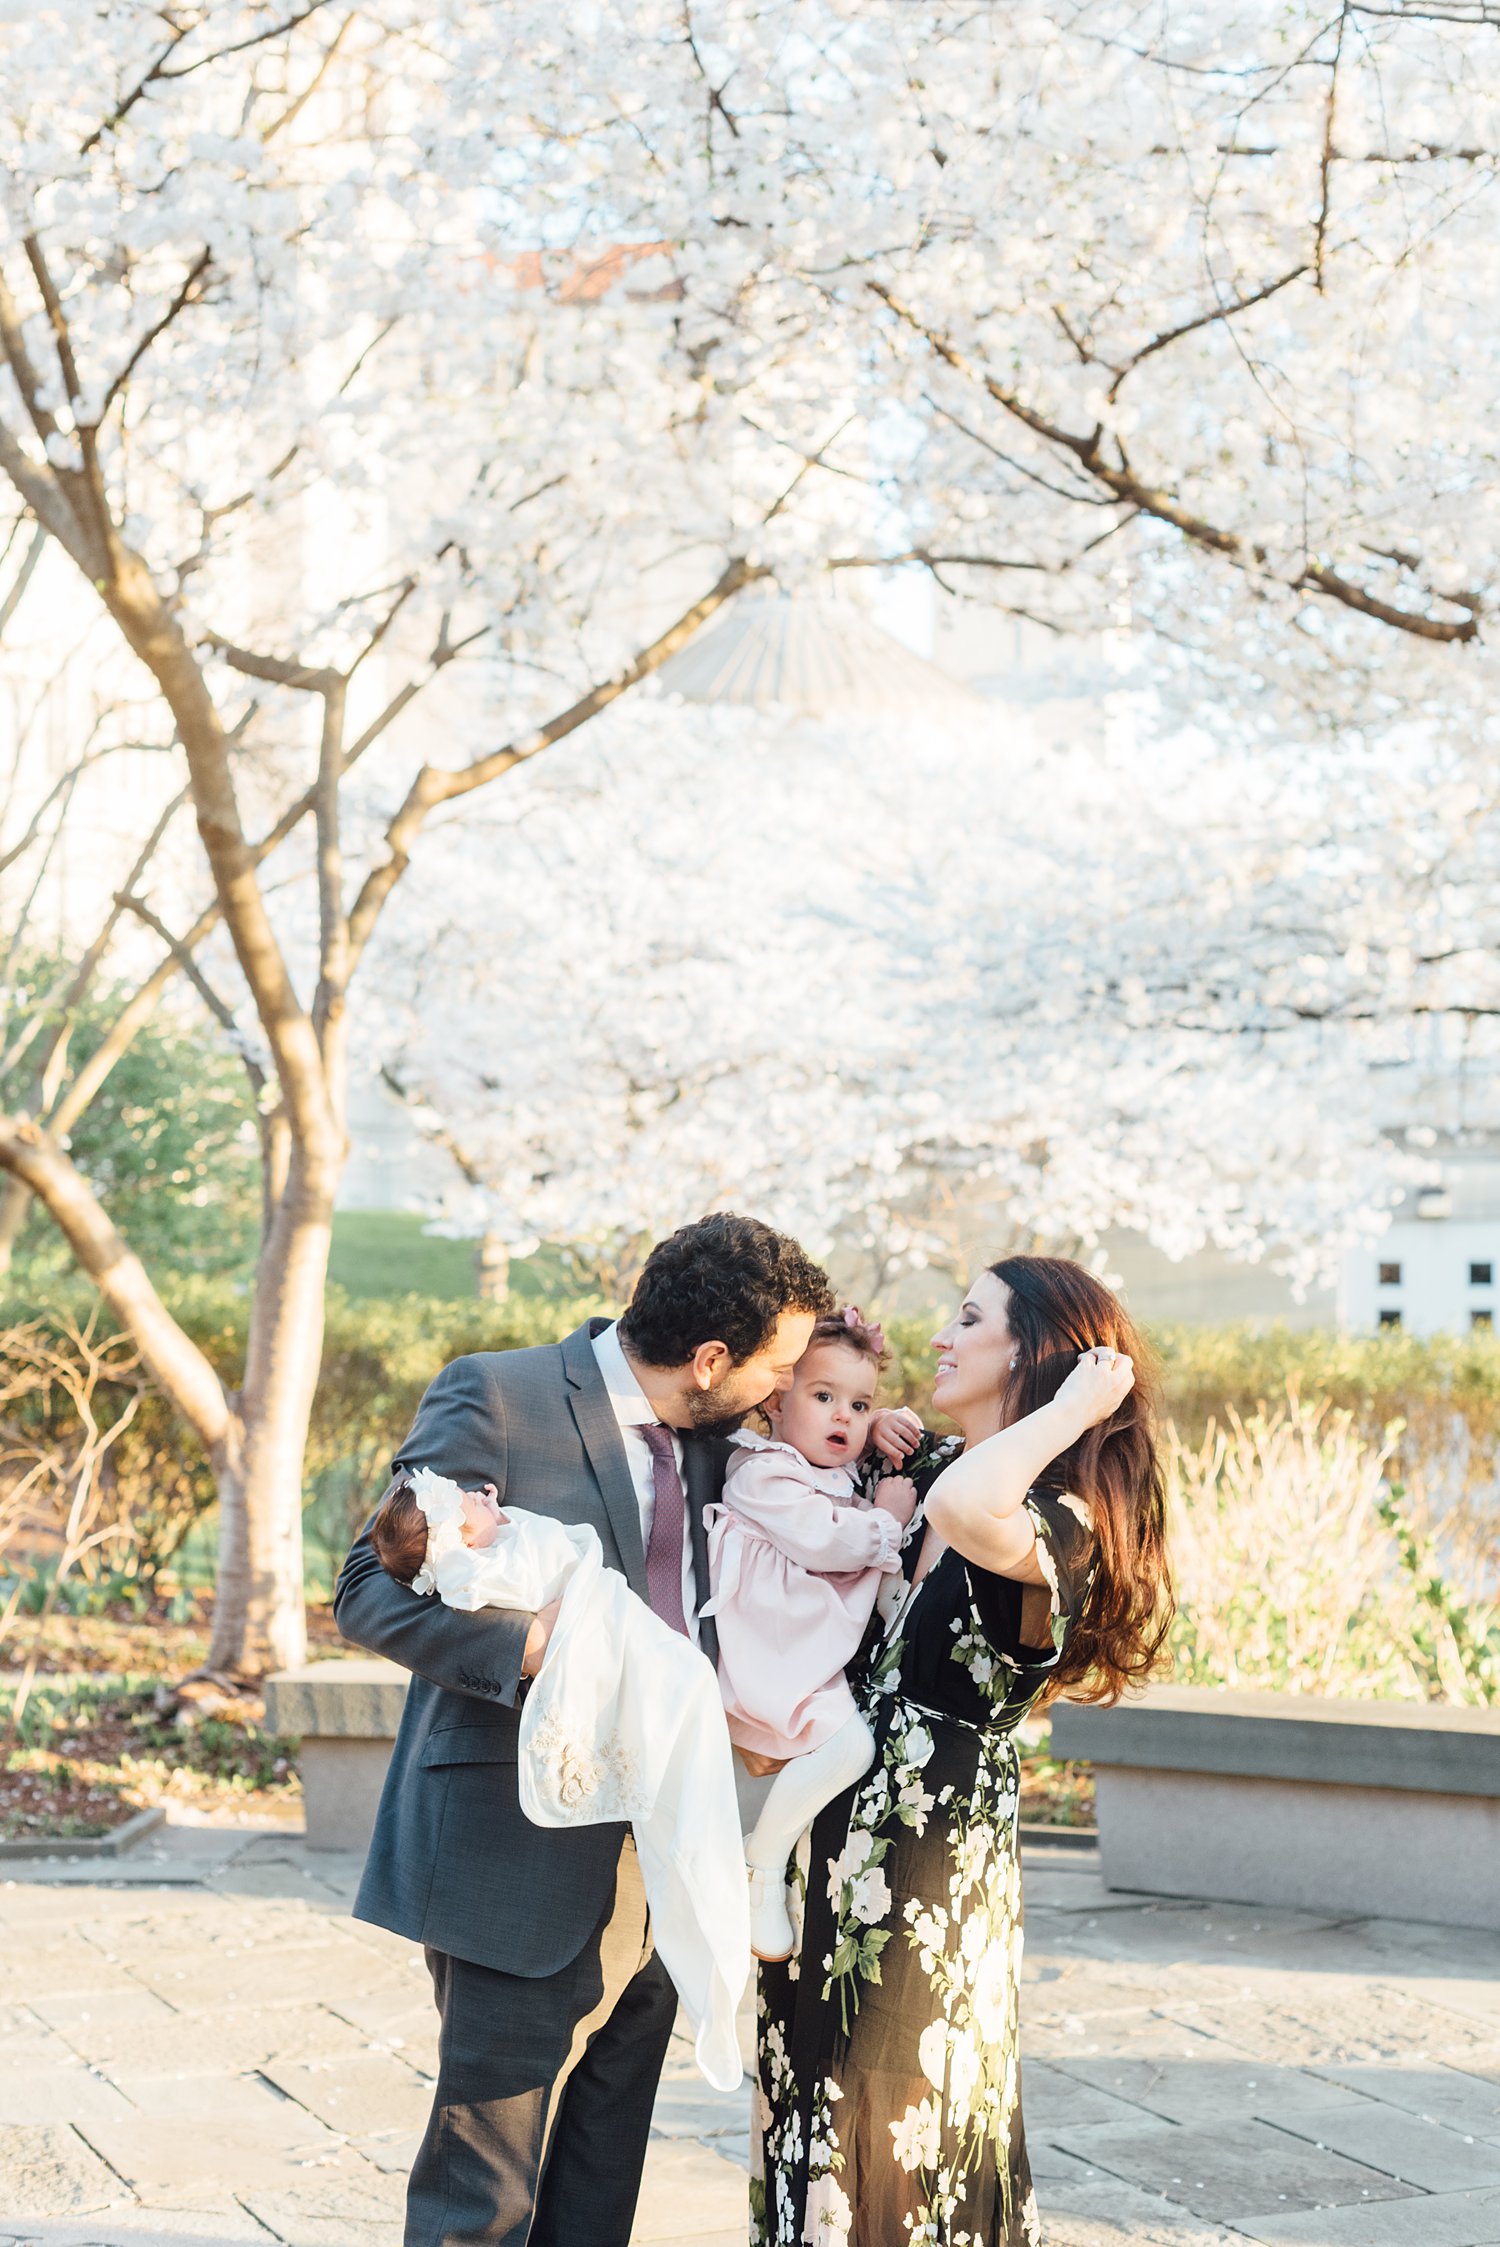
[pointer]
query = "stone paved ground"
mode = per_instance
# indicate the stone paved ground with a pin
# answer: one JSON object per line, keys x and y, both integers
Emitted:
{"x": 201, "y": 2046}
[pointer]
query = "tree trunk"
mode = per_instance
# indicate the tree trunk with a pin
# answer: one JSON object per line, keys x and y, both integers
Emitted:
{"x": 15, "y": 1200}
{"x": 260, "y": 1622}
{"x": 492, "y": 1268}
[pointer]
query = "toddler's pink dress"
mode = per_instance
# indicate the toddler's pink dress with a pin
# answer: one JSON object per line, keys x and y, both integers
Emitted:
{"x": 795, "y": 1561}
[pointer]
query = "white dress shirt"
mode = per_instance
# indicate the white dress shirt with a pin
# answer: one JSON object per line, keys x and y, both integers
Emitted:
{"x": 633, "y": 1410}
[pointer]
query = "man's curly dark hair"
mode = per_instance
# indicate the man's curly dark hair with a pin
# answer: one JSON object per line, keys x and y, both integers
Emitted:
{"x": 726, "y": 1279}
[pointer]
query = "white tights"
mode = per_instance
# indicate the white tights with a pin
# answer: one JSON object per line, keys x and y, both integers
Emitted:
{"x": 807, "y": 1784}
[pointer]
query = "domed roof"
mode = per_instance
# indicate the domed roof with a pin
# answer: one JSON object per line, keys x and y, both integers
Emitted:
{"x": 809, "y": 652}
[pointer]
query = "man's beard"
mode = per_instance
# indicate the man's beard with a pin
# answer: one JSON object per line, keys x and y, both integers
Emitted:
{"x": 707, "y": 1415}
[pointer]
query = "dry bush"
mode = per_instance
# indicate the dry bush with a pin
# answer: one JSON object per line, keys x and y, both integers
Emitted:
{"x": 1299, "y": 1568}
{"x": 73, "y": 1393}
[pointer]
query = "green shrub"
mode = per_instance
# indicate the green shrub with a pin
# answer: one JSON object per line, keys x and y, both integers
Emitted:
{"x": 1334, "y": 1504}
{"x": 1335, "y": 1516}
{"x": 1431, "y": 1385}
{"x": 169, "y": 1142}
{"x": 378, "y": 1357}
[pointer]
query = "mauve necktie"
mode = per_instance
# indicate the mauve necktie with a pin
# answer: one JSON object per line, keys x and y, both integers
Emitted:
{"x": 668, "y": 1521}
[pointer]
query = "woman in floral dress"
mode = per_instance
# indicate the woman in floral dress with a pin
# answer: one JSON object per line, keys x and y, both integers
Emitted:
{"x": 890, "y": 2103}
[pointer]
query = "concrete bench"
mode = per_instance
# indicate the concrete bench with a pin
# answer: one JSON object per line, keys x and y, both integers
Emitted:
{"x": 1381, "y": 1808}
{"x": 345, "y": 1713}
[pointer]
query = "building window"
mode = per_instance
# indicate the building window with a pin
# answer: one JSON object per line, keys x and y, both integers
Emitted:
{"x": 1390, "y": 1275}
{"x": 1481, "y": 1275}
{"x": 1482, "y": 1318}
{"x": 1390, "y": 1318}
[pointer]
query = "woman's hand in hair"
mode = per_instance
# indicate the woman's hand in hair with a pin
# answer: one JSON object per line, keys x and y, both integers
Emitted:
{"x": 1097, "y": 1386}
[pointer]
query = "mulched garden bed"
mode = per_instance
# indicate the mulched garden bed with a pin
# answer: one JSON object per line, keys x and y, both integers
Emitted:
{"x": 1055, "y": 1794}
{"x": 95, "y": 1746}
{"x": 145, "y": 1641}
{"x": 94, "y": 1750}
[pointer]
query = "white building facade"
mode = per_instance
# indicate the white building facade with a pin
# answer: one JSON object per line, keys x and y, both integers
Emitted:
{"x": 1435, "y": 1270}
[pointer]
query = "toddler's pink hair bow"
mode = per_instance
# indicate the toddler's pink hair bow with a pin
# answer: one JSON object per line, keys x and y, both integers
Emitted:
{"x": 875, "y": 1335}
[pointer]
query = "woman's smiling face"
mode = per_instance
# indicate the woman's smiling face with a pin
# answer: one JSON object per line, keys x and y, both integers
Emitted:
{"x": 975, "y": 1350}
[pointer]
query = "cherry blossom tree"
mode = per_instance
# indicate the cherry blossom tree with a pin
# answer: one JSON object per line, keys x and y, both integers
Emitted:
{"x": 843, "y": 970}
{"x": 347, "y": 346}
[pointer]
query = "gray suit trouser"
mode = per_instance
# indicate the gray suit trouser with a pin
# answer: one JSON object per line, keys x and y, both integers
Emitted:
{"x": 544, "y": 2091}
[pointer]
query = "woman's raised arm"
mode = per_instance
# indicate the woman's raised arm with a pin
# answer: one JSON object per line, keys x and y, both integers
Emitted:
{"x": 977, "y": 1505}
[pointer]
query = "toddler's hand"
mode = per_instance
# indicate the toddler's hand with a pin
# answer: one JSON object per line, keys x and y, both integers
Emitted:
{"x": 896, "y": 1496}
{"x": 895, "y": 1432}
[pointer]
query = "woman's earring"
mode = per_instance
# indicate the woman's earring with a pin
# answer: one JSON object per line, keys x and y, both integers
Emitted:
{"x": 1015, "y": 1359}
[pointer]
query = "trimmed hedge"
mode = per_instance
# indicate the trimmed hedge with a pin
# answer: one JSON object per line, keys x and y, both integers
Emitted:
{"x": 1437, "y": 1401}
{"x": 1441, "y": 1399}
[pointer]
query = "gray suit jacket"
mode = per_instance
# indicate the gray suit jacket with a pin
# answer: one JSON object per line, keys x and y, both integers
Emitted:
{"x": 453, "y": 1862}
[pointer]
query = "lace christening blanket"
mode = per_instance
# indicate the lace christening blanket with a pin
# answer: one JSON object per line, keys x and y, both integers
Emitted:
{"x": 624, "y": 1720}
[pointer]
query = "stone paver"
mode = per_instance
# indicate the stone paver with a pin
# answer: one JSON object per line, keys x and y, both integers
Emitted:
{"x": 198, "y": 2046}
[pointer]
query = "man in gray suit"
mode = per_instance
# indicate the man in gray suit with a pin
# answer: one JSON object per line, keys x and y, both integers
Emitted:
{"x": 555, "y": 2011}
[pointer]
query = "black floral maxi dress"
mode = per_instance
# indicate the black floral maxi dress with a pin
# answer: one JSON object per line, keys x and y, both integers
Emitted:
{"x": 889, "y": 2101}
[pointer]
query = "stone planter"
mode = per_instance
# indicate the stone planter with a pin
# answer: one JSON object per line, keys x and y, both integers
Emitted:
{"x": 1387, "y": 1809}
{"x": 345, "y": 1713}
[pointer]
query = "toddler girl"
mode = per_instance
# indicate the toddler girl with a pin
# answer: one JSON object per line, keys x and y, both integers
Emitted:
{"x": 796, "y": 1558}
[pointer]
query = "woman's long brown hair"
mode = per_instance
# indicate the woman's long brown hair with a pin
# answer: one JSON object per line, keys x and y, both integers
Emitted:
{"x": 1057, "y": 1310}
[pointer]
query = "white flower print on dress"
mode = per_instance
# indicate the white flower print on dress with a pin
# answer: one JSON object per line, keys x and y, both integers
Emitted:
{"x": 870, "y": 1897}
{"x": 919, "y": 1896}
{"x": 916, "y": 2137}
{"x": 932, "y": 2052}
{"x": 829, "y": 2214}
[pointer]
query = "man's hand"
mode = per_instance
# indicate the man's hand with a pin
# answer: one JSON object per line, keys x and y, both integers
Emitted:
{"x": 895, "y": 1432}
{"x": 536, "y": 1638}
{"x": 761, "y": 1766}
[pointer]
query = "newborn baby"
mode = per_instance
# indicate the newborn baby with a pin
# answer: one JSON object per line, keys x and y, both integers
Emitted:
{"x": 623, "y": 1721}
{"x": 399, "y": 1530}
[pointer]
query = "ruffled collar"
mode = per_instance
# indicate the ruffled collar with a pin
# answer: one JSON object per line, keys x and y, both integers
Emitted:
{"x": 834, "y": 1482}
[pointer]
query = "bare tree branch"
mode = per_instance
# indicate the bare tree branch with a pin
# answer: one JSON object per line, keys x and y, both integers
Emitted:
{"x": 159, "y": 70}
{"x": 1207, "y": 319}
{"x": 1121, "y": 480}
{"x": 218, "y": 1006}
{"x": 1325, "y": 154}
{"x": 23, "y": 577}
{"x": 23, "y": 370}
{"x": 142, "y": 1004}
{"x": 43, "y": 492}
{"x": 91, "y": 482}
{"x": 434, "y": 786}
{"x": 185, "y": 296}
{"x": 64, "y": 782}
{"x": 333, "y": 925}
{"x": 294, "y": 108}
{"x": 33, "y": 1156}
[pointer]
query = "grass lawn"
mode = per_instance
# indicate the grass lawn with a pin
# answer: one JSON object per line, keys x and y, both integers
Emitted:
{"x": 386, "y": 1252}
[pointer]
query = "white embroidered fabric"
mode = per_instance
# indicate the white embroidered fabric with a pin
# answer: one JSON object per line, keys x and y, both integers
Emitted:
{"x": 623, "y": 1720}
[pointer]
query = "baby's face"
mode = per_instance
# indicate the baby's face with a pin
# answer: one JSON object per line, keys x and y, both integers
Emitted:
{"x": 825, "y": 1414}
{"x": 482, "y": 1516}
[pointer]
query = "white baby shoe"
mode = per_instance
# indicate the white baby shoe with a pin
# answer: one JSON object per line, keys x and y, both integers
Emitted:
{"x": 771, "y": 1935}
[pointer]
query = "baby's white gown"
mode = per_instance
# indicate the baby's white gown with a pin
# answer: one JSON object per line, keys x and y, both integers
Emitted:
{"x": 624, "y": 1720}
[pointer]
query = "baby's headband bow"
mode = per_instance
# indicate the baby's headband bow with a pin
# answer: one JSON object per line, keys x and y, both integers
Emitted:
{"x": 856, "y": 1321}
